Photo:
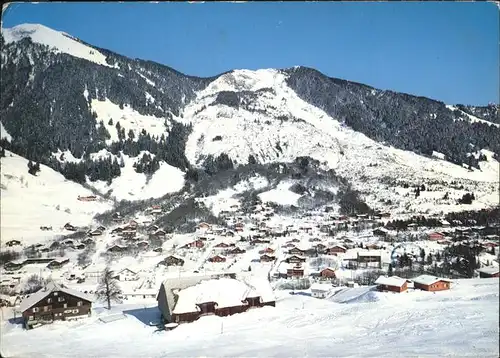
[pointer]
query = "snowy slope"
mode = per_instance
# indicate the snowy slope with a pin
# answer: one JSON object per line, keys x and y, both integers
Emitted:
{"x": 472, "y": 118}
{"x": 48, "y": 199}
{"x": 131, "y": 185}
{"x": 279, "y": 126}
{"x": 55, "y": 40}
{"x": 403, "y": 325}
{"x": 4, "y": 134}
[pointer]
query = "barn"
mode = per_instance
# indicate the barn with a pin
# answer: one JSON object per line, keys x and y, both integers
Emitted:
{"x": 431, "y": 283}
{"x": 391, "y": 284}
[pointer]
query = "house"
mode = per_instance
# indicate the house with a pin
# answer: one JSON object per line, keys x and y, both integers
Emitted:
{"x": 229, "y": 233}
{"x": 117, "y": 248}
{"x": 172, "y": 261}
{"x": 14, "y": 265}
{"x": 88, "y": 241}
{"x": 431, "y": 283}
{"x": 204, "y": 226}
{"x": 337, "y": 249}
{"x": 54, "y": 302}
{"x": 238, "y": 226}
{"x": 127, "y": 275}
{"x": 319, "y": 290}
{"x": 58, "y": 263}
{"x": 142, "y": 244}
{"x": 117, "y": 230}
{"x": 95, "y": 232}
{"x": 11, "y": 243}
{"x": 294, "y": 270}
{"x": 381, "y": 232}
{"x": 116, "y": 217}
{"x": 133, "y": 224}
{"x": 391, "y": 284}
{"x": 159, "y": 233}
{"x": 69, "y": 227}
{"x": 151, "y": 229}
{"x": 197, "y": 243}
{"x": 101, "y": 228}
{"x": 267, "y": 258}
{"x": 87, "y": 198}
{"x": 223, "y": 245}
{"x": 267, "y": 250}
{"x": 128, "y": 233}
{"x": 295, "y": 259}
{"x": 158, "y": 249}
{"x": 369, "y": 258}
{"x": 296, "y": 251}
{"x": 435, "y": 236}
{"x": 488, "y": 272}
{"x": 236, "y": 251}
{"x": 327, "y": 273}
{"x": 188, "y": 298}
{"x": 217, "y": 258}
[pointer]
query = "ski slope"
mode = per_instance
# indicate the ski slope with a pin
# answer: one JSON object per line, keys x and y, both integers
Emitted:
{"x": 461, "y": 322}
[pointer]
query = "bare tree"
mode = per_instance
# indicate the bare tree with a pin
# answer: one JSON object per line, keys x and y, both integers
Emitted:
{"x": 108, "y": 288}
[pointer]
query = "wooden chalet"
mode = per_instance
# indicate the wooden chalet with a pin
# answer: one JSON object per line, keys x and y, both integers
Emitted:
{"x": 296, "y": 251}
{"x": 223, "y": 245}
{"x": 58, "y": 263}
{"x": 295, "y": 270}
{"x": 391, "y": 284}
{"x": 204, "y": 225}
{"x": 431, "y": 283}
{"x": 95, "y": 232}
{"x": 11, "y": 243}
{"x": 52, "y": 303}
{"x": 117, "y": 248}
{"x": 295, "y": 259}
{"x": 172, "y": 261}
{"x": 337, "y": 249}
{"x": 236, "y": 251}
{"x": 267, "y": 258}
{"x": 435, "y": 236}
{"x": 197, "y": 243}
{"x": 217, "y": 259}
{"x": 70, "y": 227}
{"x": 488, "y": 272}
{"x": 327, "y": 273}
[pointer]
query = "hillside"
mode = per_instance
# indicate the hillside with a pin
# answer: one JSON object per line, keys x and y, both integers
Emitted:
{"x": 47, "y": 199}
{"x": 133, "y": 129}
{"x": 408, "y": 324}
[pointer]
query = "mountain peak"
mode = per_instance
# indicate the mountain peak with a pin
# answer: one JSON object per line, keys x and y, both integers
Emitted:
{"x": 57, "y": 41}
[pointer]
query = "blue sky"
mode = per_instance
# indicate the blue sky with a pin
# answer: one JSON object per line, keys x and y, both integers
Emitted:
{"x": 442, "y": 50}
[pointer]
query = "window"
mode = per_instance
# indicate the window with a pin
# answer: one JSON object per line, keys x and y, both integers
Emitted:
{"x": 55, "y": 293}
{"x": 65, "y": 305}
{"x": 60, "y": 299}
{"x": 79, "y": 303}
{"x": 49, "y": 300}
{"x": 45, "y": 308}
{"x": 35, "y": 309}
{"x": 30, "y": 318}
{"x": 75, "y": 311}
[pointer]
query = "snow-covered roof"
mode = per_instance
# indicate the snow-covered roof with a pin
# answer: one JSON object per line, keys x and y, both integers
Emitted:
{"x": 488, "y": 270}
{"x": 261, "y": 287}
{"x": 390, "y": 281}
{"x": 369, "y": 253}
{"x": 47, "y": 290}
{"x": 321, "y": 287}
{"x": 226, "y": 292}
{"x": 428, "y": 279}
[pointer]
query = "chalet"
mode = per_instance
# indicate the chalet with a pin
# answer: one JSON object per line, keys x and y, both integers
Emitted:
{"x": 267, "y": 258}
{"x": 172, "y": 261}
{"x": 295, "y": 270}
{"x": 45, "y": 249}
{"x": 431, "y": 283}
{"x": 295, "y": 259}
{"x": 204, "y": 226}
{"x": 69, "y": 227}
{"x": 391, "y": 284}
{"x": 223, "y": 245}
{"x": 142, "y": 244}
{"x": 88, "y": 241}
{"x": 381, "y": 232}
{"x": 133, "y": 223}
{"x": 267, "y": 250}
{"x": 158, "y": 249}
{"x": 159, "y": 233}
{"x": 229, "y": 233}
{"x": 87, "y": 198}
{"x": 373, "y": 247}
{"x": 101, "y": 228}
{"x": 117, "y": 248}
{"x": 116, "y": 217}
{"x": 435, "y": 236}
{"x": 488, "y": 272}
{"x": 128, "y": 233}
{"x": 260, "y": 241}
{"x": 189, "y": 298}
{"x": 68, "y": 243}
{"x": 314, "y": 239}
{"x": 11, "y": 243}
{"x": 337, "y": 249}
{"x": 197, "y": 243}
{"x": 14, "y": 265}
{"x": 319, "y": 290}
{"x": 95, "y": 232}
{"x": 127, "y": 275}
{"x": 58, "y": 263}
{"x": 327, "y": 273}
{"x": 296, "y": 251}
{"x": 151, "y": 229}
{"x": 217, "y": 258}
{"x": 236, "y": 251}
{"x": 54, "y": 302}
{"x": 117, "y": 230}
{"x": 369, "y": 258}
{"x": 238, "y": 226}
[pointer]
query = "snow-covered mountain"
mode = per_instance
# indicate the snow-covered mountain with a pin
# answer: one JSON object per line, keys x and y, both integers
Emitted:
{"x": 135, "y": 129}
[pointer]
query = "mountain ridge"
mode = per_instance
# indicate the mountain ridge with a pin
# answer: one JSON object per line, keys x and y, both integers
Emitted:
{"x": 94, "y": 119}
